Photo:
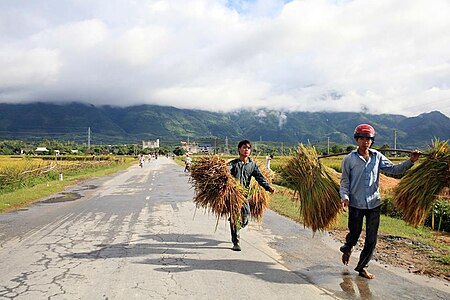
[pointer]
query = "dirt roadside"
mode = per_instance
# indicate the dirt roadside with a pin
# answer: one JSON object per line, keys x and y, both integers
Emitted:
{"x": 411, "y": 255}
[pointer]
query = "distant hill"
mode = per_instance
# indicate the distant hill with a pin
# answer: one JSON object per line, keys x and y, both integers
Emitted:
{"x": 136, "y": 123}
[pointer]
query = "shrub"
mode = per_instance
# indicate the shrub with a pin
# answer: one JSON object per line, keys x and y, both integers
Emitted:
{"x": 388, "y": 208}
{"x": 441, "y": 210}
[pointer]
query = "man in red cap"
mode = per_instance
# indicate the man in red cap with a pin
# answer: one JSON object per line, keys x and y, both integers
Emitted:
{"x": 360, "y": 192}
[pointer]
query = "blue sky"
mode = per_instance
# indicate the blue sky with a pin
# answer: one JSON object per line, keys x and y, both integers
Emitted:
{"x": 376, "y": 56}
{"x": 259, "y": 8}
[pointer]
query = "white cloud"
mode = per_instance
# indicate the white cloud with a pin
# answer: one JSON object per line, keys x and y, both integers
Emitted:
{"x": 379, "y": 56}
{"x": 23, "y": 70}
{"x": 139, "y": 46}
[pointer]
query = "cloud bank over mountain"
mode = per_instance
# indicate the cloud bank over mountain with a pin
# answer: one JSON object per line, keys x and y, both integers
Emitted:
{"x": 310, "y": 55}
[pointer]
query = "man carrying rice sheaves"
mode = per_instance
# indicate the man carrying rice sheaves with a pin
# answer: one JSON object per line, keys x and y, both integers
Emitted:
{"x": 243, "y": 168}
{"x": 359, "y": 190}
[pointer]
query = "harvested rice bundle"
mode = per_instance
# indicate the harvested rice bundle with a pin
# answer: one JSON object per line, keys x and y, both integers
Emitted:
{"x": 258, "y": 197}
{"x": 316, "y": 187}
{"x": 215, "y": 189}
{"x": 419, "y": 188}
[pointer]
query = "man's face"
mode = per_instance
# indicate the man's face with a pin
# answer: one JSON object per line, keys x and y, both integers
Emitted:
{"x": 364, "y": 142}
{"x": 245, "y": 150}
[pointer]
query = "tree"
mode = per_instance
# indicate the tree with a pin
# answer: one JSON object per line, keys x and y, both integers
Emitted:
{"x": 178, "y": 151}
{"x": 350, "y": 148}
{"x": 336, "y": 149}
{"x": 162, "y": 150}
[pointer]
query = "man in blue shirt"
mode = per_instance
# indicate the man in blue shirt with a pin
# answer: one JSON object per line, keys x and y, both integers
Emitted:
{"x": 360, "y": 192}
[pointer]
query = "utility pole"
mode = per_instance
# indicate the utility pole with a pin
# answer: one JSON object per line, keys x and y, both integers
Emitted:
{"x": 395, "y": 141}
{"x": 328, "y": 145}
{"x": 215, "y": 146}
{"x": 89, "y": 137}
{"x": 227, "y": 151}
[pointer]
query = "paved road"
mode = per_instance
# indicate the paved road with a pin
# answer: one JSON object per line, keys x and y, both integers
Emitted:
{"x": 137, "y": 235}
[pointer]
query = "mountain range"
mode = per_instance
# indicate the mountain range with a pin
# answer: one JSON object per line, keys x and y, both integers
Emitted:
{"x": 109, "y": 125}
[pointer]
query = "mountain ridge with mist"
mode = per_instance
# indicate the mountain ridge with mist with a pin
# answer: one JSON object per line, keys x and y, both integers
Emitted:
{"x": 133, "y": 124}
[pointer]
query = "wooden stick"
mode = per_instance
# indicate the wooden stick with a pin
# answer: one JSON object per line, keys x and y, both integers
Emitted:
{"x": 395, "y": 150}
{"x": 380, "y": 150}
{"x": 334, "y": 154}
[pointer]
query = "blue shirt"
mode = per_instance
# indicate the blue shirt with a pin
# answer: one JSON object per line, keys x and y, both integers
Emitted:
{"x": 360, "y": 178}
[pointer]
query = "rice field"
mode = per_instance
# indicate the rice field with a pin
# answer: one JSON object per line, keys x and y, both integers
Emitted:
{"x": 8, "y": 161}
{"x": 20, "y": 171}
{"x": 28, "y": 187}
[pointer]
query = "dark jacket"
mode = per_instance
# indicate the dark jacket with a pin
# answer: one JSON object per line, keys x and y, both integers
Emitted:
{"x": 244, "y": 171}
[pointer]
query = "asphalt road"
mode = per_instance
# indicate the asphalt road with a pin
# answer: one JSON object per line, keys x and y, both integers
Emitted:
{"x": 137, "y": 235}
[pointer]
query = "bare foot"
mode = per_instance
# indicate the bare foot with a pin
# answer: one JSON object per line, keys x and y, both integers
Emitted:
{"x": 366, "y": 274}
{"x": 345, "y": 258}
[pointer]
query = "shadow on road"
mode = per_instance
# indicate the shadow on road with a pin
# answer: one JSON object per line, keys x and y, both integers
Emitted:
{"x": 167, "y": 244}
{"x": 172, "y": 252}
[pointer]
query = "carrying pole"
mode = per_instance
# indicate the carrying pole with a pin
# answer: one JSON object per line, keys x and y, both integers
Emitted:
{"x": 380, "y": 150}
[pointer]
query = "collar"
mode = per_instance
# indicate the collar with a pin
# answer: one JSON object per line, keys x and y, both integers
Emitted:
{"x": 248, "y": 160}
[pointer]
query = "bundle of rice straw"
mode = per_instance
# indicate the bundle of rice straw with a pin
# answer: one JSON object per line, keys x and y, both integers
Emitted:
{"x": 419, "y": 188}
{"x": 258, "y": 197}
{"x": 316, "y": 187}
{"x": 215, "y": 189}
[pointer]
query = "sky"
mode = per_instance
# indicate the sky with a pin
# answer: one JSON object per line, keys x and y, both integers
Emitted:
{"x": 373, "y": 56}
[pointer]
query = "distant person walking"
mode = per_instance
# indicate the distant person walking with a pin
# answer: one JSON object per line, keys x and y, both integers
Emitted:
{"x": 243, "y": 169}
{"x": 141, "y": 160}
{"x": 268, "y": 159}
{"x": 187, "y": 163}
{"x": 359, "y": 192}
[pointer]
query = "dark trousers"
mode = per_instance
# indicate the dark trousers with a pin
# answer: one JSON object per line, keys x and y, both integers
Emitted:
{"x": 245, "y": 212}
{"x": 355, "y": 223}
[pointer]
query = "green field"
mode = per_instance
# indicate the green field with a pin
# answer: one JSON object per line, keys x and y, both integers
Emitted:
{"x": 24, "y": 180}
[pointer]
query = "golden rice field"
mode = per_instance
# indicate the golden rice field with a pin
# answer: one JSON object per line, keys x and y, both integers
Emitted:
{"x": 8, "y": 161}
{"x": 15, "y": 169}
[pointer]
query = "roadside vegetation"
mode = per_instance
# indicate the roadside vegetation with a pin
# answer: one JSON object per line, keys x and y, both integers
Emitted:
{"x": 24, "y": 179}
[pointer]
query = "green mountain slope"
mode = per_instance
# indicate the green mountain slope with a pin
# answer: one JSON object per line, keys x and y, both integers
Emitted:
{"x": 136, "y": 123}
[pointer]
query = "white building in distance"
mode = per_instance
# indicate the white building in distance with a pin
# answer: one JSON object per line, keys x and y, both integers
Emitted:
{"x": 189, "y": 147}
{"x": 150, "y": 144}
{"x": 206, "y": 148}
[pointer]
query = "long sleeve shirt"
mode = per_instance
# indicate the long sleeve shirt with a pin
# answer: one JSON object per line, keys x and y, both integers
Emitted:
{"x": 360, "y": 178}
{"x": 243, "y": 173}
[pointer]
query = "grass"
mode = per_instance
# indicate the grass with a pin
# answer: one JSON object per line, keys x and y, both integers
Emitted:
{"x": 180, "y": 160}
{"x": 442, "y": 259}
{"x": 283, "y": 205}
{"x": 25, "y": 196}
